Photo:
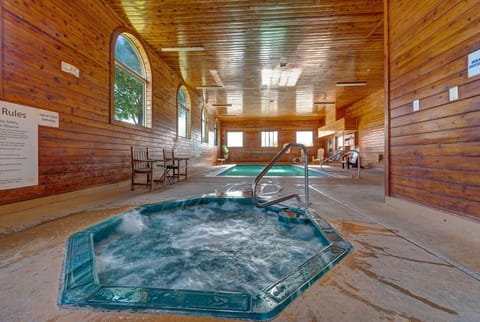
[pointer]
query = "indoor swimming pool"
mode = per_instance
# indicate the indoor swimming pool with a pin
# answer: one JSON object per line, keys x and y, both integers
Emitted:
{"x": 278, "y": 170}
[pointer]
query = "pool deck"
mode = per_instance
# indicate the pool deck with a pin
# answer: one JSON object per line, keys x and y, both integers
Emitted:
{"x": 409, "y": 263}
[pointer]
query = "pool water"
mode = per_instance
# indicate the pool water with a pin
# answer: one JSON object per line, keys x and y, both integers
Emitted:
{"x": 247, "y": 249}
{"x": 205, "y": 256}
{"x": 278, "y": 170}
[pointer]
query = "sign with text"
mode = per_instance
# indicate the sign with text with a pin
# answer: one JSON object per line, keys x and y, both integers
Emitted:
{"x": 47, "y": 118}
{"x": 474, "y": 64}
{"x": 19, "y": 143}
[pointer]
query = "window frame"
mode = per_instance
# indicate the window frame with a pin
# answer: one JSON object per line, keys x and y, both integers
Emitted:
{"x": 216, "y": 133}
{"x": 227, "y": 139}
{"x": 305, "y": 131}
{"x": 146, "y": 79}
{"x": 187, "y": 108}
{"x": 268, "y": 140}
{"x": 204, "y": 125}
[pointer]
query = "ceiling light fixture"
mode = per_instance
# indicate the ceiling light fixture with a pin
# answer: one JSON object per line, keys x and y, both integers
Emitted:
{"x": 280, "y": 77}
{"x": 209, "y": 87}
{"x": 182, "y": 49}
{"x": 351, "y": 83}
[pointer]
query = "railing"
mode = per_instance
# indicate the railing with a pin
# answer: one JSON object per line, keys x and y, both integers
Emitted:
{"x": 338, "y": 156}
{"x": 270, "y": 165}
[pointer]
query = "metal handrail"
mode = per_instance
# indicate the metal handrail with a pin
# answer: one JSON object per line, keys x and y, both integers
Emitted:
{"x": 339, "y": 154}
{"x": 259, "y": 177}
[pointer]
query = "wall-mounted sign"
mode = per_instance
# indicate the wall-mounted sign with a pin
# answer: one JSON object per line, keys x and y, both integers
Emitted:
{"x": 19, "y": 143}
{"x": 47, "y": 118}
{"x": 474, "y": 64}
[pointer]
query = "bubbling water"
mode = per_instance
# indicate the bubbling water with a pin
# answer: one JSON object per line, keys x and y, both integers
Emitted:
{"x": 212, "y": 247}
{"x": 132, "y": 223}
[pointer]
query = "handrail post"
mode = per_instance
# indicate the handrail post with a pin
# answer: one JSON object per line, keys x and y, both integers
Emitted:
{"x": 270, "y": 165}
{"x": 306, "y": 195}
{"x": 358, "y": 164}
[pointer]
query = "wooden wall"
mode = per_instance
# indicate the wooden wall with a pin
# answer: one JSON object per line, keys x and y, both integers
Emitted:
{"x": 87, "y": 149}
{"x": 434, "y": 152}
{"x": 370, "y": 136}
{"x": 338, "y": 123}
{"x": 252, "y": 150}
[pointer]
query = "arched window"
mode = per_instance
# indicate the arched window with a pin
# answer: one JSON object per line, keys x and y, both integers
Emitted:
{"x": 204, "y": 126}
{"x": 132, "y": 86}
{"x": 183, "y": 119}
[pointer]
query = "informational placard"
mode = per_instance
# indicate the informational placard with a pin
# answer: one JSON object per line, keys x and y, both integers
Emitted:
{"x": 474, "y": 64}
{"x": 19, "y": 143}
{"x": 47, "y": 118}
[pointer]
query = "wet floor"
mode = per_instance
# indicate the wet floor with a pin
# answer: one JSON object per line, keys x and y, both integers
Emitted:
{"x": 406, "y": 265}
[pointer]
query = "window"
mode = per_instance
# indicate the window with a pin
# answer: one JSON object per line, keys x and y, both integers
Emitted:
{"x": 269, "y": 139}
{"x": 234, "y": 139}
{"x": 183, "y": 102}
{"x": 215, "y": 133}
{"x": 204, "y": 126}
{"x": 305, "y": 138}
{"x": 131, "y": 89}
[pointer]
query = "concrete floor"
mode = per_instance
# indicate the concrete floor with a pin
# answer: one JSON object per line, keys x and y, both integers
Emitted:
{"x": 408, "y": 263}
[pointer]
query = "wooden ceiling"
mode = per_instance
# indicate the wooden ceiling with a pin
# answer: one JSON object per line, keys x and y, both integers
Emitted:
{"x": 328, "y": 41}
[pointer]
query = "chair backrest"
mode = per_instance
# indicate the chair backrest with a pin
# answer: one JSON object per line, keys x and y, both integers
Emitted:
{"x": 353, "y": 159}
{"x": 168, "y": 156}
{"x": 139, "y": 156}
{"x": 320, "y": 153}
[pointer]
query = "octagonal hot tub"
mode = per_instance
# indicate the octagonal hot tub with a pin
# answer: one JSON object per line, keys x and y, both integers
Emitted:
{"x": 204, "y": 256}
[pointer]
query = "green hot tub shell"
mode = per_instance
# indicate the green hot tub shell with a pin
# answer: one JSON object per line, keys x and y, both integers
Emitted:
{"x": 82, "y": 287}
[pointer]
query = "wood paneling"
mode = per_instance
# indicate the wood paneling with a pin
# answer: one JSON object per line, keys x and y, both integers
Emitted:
{"x": 87, "y": 149}
{"x": 331, "y": 41}
{"x": 434, "y": 153}
{"x": 252, "y": 150}
{"x": 369, "y": 115}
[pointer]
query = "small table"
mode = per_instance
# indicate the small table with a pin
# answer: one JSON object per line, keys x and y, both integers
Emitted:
{"x": 179, "y": 159}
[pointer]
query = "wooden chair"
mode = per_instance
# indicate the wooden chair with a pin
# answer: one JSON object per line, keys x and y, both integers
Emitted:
{"x": 142, "y": 165}
{"x": 350, "y": 159}
{"x": 175, "y": 167}
{"x": 320, "y": 156}
{"x": 170, "y": 166}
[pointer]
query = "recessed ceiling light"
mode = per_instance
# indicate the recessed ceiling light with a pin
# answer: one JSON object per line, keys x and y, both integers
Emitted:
{"x": 351, "y": 83}
{"x": 182, "y": 49}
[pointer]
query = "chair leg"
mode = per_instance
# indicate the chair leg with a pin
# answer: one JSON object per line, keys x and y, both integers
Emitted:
{"x": 170, "y": 175}
{"x": 150, "y": 180}
{"x": 133, "y": 181}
